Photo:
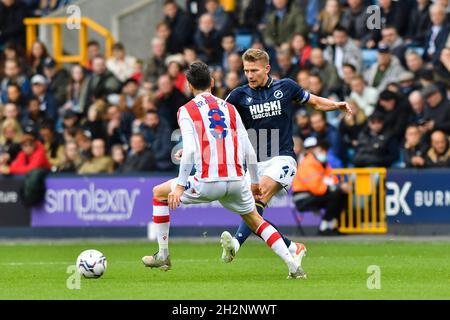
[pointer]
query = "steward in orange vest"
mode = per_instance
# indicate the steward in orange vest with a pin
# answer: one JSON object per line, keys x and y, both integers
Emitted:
{"x": 315, "y": 187}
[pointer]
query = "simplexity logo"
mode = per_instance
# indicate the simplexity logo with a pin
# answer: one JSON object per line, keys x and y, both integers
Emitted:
{"x": 92, "y": 203}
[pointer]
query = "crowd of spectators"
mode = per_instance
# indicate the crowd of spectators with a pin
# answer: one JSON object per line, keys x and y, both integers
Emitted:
{"x": 118, "y": 114}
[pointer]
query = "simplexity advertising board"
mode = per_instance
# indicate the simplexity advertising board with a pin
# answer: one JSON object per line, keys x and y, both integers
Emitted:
{"x": 412, "y": 197}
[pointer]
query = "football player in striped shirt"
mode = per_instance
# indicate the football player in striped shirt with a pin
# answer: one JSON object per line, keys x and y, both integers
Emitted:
{"x": 216, "y": 143}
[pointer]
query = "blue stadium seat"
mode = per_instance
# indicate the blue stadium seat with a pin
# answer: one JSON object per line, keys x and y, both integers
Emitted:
{"x": 369, "y": 57}
{"x": 243, "y": 41}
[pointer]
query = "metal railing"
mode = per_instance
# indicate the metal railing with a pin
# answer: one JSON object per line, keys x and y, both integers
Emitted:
{"x": 228, "y": 5}
{"x": 365, "y": 211}
{"x": 56, "y": 25}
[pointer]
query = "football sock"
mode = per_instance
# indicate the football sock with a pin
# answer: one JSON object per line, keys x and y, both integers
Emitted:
{"x": 243, "y": 232}
{"x": 292, "y": 247}
{"x": 323, "y": 225}
{"x": 273, "y": 239}
{"x": 161, "y": 219}
{"x": 260, "y": 206}
{"x": 332, "y": 224}
{"x": 285, "y": 239}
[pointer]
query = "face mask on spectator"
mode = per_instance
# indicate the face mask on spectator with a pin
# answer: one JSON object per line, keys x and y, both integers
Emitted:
{"x": 322, "y": 157}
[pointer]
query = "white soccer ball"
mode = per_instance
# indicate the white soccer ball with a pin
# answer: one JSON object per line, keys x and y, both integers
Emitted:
{"x": 91, "y": 263}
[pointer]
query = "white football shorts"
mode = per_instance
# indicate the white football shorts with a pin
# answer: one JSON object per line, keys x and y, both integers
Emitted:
{"x": 282, "y": 169}
{"x": 232, "y": 195}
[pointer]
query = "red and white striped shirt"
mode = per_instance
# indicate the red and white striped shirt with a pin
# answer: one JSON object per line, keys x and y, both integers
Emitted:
{"x": 214, "y": 140}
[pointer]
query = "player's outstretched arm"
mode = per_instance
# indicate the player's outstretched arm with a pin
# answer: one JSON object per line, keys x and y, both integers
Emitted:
{"x": 324, "y": 104}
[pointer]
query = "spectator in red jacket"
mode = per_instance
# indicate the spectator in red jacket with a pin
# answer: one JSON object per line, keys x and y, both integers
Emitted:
{"x": 31, "y": 157}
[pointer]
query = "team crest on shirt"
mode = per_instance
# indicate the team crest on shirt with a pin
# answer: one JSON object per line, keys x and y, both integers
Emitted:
{"x": 278, "y": 94}
{"x": 218, "y": 127}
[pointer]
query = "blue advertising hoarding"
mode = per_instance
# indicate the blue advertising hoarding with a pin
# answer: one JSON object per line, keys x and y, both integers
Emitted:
{"x": 418, "y": 196}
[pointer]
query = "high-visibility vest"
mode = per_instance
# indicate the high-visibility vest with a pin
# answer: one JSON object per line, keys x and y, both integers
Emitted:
{"x": 311, "y": 175}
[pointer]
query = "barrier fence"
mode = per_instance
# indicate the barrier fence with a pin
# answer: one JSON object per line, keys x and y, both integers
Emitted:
{"x": 365, "y": 211}
{"x": 57, "y": 24}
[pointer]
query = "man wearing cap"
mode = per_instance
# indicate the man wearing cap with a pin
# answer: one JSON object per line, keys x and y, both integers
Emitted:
{"x": 316, "y": 187}
{"x": 31, "y": 157}
{"x": 407, "y": 82}
{"x": 375, "y": 146}
{"x": 48, "y": 104}
{"x": 437, "y": 110}
{"x": 385, "y": 71}
{"x": 58, "y": 80}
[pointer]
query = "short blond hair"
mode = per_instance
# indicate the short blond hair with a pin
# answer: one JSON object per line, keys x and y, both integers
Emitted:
{"x": 11, "y": 123}
{"x": 253, "y": 55}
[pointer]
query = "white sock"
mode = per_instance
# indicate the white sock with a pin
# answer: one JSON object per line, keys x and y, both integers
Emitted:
{"x": 332, "y": 224}
{"x": 274, "y": 240}
{"x": 323, "y": 225}
{"x": 236, "y": 245}
{"x": 292, "y": 247}
{"x": 161, "y": 218}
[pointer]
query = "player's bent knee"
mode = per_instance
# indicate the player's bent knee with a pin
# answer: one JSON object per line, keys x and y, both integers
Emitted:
{"x": 158, "y": 193}
{"x": 268, "y": 188}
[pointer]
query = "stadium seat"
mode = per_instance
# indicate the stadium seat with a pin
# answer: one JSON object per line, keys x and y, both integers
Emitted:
{"x": 369, "y": 57}
{"x": 244, "y": 41}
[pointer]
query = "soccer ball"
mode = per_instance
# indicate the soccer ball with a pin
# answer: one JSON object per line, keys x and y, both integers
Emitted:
{"x": 91, "y": 263}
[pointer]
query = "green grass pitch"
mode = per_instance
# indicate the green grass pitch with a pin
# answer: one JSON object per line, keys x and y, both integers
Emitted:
{"x": 336, "y": 270}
